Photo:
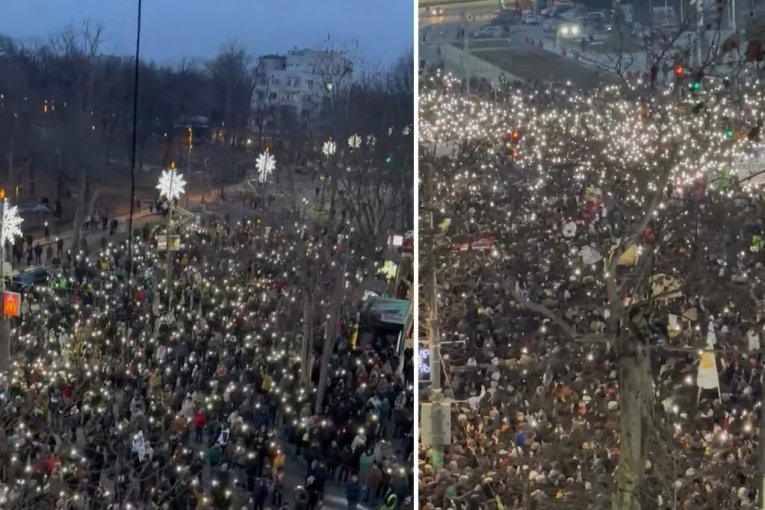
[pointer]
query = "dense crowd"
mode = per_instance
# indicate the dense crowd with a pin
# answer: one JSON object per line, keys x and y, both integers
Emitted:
{"x": 535, "y": 420}
{"x": 117, "y": 403}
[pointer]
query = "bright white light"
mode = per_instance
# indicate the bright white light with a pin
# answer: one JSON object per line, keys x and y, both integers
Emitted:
{"x": 329, "y": 148}
{"x": 266, "y": 164}
{"x": 171, "y": 184}
{"x": 11, "y": 227}
{"x": 354, "y": 142}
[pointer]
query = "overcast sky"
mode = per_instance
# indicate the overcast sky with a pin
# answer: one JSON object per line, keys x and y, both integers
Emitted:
{"x": 197, "y": 28}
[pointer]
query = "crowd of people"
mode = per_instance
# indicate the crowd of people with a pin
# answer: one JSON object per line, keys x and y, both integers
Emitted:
{"x": 125, "y": 395}
{"x": 535, "y": 413}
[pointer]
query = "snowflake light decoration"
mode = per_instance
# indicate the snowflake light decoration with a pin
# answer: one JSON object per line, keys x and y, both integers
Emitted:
{"x": 11, "y": 223}
{"x": 371, "y": 140}
{"x": 354, "y": 142}
{"x": 406, "y": 130}
{"x": 390, "y": 131}
{"x": 266, "y": 164}
{"x": 329, "y": 148}
{"x": 171, "y": 184}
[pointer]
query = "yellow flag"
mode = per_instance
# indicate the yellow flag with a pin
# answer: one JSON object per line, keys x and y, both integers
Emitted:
{"x": 629, "y": 257}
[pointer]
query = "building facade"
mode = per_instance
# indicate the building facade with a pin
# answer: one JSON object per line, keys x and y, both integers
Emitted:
{"x": 294, "y": 88}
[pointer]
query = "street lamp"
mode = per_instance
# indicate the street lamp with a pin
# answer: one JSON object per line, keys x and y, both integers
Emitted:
{"x": 265, "y": 164}
{"x": 10, "y": 229}
{"x": 329, "y": 148}
{"x": 354, "y": 142}
{"x": 171, "y": 186}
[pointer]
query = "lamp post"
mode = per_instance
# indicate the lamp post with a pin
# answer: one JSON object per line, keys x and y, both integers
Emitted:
{"x": 10, "y": 228}
{"x": 265, "y": 165}
{"x": 171, "y": 186}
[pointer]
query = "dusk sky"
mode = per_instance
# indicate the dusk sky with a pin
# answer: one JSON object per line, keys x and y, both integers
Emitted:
{"x": 197, "y": 28}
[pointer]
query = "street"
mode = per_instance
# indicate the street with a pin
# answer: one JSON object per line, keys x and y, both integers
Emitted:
{"x": 528, "y": 53}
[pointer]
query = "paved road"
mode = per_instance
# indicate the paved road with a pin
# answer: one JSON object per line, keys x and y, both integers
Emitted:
{"x": 519, "y": 54}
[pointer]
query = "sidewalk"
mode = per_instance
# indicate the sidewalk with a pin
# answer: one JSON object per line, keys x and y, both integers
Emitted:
{"x": 139, "y": 219}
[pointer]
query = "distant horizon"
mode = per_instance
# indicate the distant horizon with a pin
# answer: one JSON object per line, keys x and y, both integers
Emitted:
{"x": 173, "y": 30}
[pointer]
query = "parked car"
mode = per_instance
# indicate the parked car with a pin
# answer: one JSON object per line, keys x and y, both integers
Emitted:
{"x": 568, "y": 30}
{"x": 556, "y": 10}
{"x": 507, "y": 18}
{"x": 551, "y": 25}
{"x": 532, "y": 19}
{"x": 30, "y": 277}
{"x": 489, "y": 32}
{"x": 436, "y": 11}
{"x": 593, "y": 18}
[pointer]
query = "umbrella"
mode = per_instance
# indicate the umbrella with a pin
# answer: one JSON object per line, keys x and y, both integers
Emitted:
{"x": 40, "y": 208}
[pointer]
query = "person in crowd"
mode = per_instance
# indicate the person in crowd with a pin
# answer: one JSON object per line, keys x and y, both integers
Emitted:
{"x": 116, "y": 400}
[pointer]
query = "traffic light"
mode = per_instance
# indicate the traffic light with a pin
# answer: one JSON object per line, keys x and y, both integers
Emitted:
{"x": 728, "y": 133}
{"x": 515, "y": 136}
{"x": 679, "y": 71}
{"x": 696, "y": 83}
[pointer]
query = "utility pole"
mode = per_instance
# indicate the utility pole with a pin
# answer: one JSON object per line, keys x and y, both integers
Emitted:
{"x": 329, "y": 335}
{"x": 761, "y": 487}
{"x": 171, "y": 187}
{"x": 5, "y": 329}
{"x": 436, "y": 415}
{"x": 732, "y": 8}
{"x": 189, "y": 145}
{"x": 169, "y": 267}
{"x": 9, "y": 229}
{"x": 436, "y": 394}
{"x": 700, "y": 32}
{"x": 465, "y": 54}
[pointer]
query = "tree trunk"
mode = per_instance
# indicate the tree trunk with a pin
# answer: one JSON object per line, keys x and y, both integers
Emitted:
{"x": 79, "y": 213}
{"x": 330, "y": 334}
{"x": 635, "y": 395}
{"x": 307, "y": 341}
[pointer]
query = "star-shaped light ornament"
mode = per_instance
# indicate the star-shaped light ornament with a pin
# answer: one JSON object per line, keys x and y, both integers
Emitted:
{"x": 266, "y": 164}
{"x": 354, "y": 142}
{"x": 11, "y": 223}
{"x": 171, "y": 184}
{"x": 329, "y": 148}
